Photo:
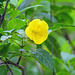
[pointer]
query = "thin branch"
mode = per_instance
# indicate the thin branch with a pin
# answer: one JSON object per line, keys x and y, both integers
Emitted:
{"x": 4, "y": 12}
{"x": 19, "y": 58}
{"x": 24, "y": 44}
{"x": 71, "y": 47}
{"x": 9, "y": 69}
{"x": 16, "y": 42}
{"x": 17, "y": 65}
{"x": 2, "y": 64}
{"x": 20, "y": 52}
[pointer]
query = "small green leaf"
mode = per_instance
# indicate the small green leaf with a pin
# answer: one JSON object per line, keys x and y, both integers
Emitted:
{"x": 3, "y": 70}
{"x": 15, "y": 24}
{"x": 44, "y": 58}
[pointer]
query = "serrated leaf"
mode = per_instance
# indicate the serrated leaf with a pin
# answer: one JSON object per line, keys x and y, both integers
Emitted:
{"x": 3, "y": 70}
{"x": 15, "y": 24}
{"x": 44, "y": 58}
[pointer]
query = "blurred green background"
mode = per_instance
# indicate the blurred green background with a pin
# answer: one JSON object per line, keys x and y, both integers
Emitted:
{"x": 63, "y": 18}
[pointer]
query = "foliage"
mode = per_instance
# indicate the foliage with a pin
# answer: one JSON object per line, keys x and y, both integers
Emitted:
{"x": 19, "y": 53}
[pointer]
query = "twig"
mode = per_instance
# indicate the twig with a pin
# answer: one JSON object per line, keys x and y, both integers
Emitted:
{"x": 69, "y": 42}
{"x": 16, "y": 42}
{"x": 24, "y": 44}
{"x": 19, "y": 58}
{"x": 2, "y": 64}
{"x": 20, "y": 52}
{"x": 71, "y": 47}
{"x": 4, "y": 12}
{"x": 9, "y": 69}
{"x": 17, "y": 65}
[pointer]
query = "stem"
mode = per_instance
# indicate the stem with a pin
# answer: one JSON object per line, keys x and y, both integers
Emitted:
{"x": 70, "y": 47}
{"x": 19, "y": 58}
{"x": 17, "y": 65}
{"x": 4, "y": 12}
{"x": 51, "y": 36}
{"x": 20, "y": 52}
{"x": 9, "y": 69}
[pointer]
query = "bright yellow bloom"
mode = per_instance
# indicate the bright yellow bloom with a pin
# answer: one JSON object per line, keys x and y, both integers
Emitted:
{"x": 37, "y": 31}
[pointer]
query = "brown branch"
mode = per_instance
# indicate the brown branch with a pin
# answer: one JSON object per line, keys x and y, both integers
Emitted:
{"x": 4, "y": 12}
{"x": 24, "y": 44}
{"x": 16, "y": 42}
{"x": 2, "y": 64}
{"x": 71, "y": 47}
{"x": 19, "y": 58}
{"x": 17, "y": 65}
{"x": 9, "y": 69}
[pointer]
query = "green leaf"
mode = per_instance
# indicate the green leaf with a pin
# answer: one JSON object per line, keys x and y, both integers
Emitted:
{"x": 44, "y": 58}
{"x": 66, "y": 56}
{"x": 3, "y": 70}
{"x": 5, "y": 50}
{"x": 1, "y": 30}
{"x": 14, "y": 13}
{"x": 31, "y": 7}
{"x": 9, "y": 31}
{"x": 56, "y": 46}
{"x": 16, "y": 71}
{"x": 14, "y": 2}
{"x": 46, "y": 15}
{"x": 20, "y": 1}
{"x": 21, "y": 33}
{"x": 63, "y": 73}
{"x": 15, "y": 24}
{"x": 59, "y": 26}
{"x": 5, "y": 37}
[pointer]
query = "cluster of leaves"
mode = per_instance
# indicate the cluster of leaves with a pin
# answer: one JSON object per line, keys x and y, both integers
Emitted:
{"x": 13, "y": 39}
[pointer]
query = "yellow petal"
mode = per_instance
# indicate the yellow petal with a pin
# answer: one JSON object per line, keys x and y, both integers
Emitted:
{"x": 45, "y": 25}
{"x": 29, "y": 33}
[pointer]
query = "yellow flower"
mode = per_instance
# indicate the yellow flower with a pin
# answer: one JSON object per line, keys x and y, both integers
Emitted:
{"x": 37, "y": 31}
